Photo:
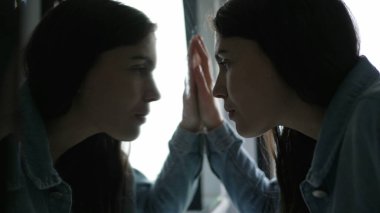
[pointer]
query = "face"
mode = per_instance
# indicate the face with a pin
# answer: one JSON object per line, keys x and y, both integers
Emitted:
{"x": 254, "y": 95}
{"x": 116, "y": 93}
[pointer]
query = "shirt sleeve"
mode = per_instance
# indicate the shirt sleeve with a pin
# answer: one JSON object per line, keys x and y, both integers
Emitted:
{"x": 175, "y": 185}
{"x": 248, "y": 187}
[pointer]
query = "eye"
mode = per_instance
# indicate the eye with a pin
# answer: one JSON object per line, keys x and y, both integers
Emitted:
{"x": 141, "y": 69}
{"x": 224, "y": 63}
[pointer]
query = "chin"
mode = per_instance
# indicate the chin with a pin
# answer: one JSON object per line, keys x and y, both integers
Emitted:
{"x": 132, "y": 136}
{"x": 128, "y": 136}
{"x": 248, "y": 132}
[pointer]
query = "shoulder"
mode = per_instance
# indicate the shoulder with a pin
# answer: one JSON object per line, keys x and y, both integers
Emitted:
{"x": 364, "y": 124}
{"x": 368, "y": 106}
{"x": 373, "y": 92}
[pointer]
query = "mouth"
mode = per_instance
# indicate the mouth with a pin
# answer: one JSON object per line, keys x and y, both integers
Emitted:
{"x": 231, "y": 112}
{"x": 141, "y": 116}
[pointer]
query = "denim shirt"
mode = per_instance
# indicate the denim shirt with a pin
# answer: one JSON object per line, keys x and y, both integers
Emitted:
{"x": 177, "y": 181}
{"x": 248, "y": 187}
{"x": 34, "y": 186}
{"x": 345, "y": 170}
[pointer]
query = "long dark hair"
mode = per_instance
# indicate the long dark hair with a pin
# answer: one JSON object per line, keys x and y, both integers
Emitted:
{"x": 99, "y": 175}
{"x": 62, "y": 49}
{"x": 313, "y": 45}
{"x": 294, "y": 156}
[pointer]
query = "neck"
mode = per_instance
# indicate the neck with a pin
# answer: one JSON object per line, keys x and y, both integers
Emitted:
{"x": 306, "y": 119}
{"x": 66, "y": 132}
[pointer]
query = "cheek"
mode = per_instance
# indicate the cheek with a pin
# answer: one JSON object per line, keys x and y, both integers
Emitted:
{"x": 120, "y": 98}
{"x": 111, "y": 95}
{"x": 248, "y": 95}
{"x": 239, "y": 87}
{"x": 110, "y": 102}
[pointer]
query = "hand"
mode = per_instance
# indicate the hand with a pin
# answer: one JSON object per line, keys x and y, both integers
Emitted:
{"x": 201, "y": 75}
{"x": 190, "y": 114}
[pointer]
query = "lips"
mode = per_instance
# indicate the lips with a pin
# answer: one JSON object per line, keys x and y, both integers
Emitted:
{"x": 228, "y": 108}
{"x": 141, "y": 113}
{"x": 231, "y": 112}
{"x": 141, "y": 117}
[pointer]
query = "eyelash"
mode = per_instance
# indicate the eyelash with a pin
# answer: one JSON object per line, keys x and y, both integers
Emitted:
{"x": 223, "y": 63}
{"x": 142, "y": 70}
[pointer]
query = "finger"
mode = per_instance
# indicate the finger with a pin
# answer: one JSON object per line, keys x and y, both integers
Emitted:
{"x": 190, "y": 88}
{"x": 208, "y": 109}
{"x": 191, "y": 64}
{"x": 191, "y": 51}
{"x": 203, "y": 46}
{"x": 201, "y": 83}
{"x": 201, "y": 50}
{"x": 205, "y": 63}
{"x": 194, "y": 60}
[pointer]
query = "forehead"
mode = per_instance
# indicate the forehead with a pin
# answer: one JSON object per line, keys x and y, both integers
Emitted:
{"x": 233, "y": 45}
{"x": 239, "y": 48}
{"x": 223, "y": 42}
{"x": 149, "y": 42}
{"x": 146, "y": 48}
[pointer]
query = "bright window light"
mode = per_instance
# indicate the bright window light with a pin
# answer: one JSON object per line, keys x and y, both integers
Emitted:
{"x": 149, "y": 151}
{"x": 366, "y": 15}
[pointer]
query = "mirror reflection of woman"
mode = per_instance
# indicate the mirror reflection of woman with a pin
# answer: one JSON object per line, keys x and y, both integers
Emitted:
{"x": 89, "y": 86}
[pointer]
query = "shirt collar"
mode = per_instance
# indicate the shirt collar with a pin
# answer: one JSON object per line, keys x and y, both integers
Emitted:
{"x": 362, "y": 76}
{"x": 35, "y": 151}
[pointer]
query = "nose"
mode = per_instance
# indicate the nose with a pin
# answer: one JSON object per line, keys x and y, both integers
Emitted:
{"x": 152, "y": 93}
{"x": 219, "y": 90}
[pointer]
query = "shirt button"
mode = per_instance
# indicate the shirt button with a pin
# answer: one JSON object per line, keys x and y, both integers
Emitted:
{"x": 319, "y": 193}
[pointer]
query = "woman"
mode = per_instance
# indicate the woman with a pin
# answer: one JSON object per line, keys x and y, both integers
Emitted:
{"x": 89, "y": 85}
{"x": 295, "y": 63}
